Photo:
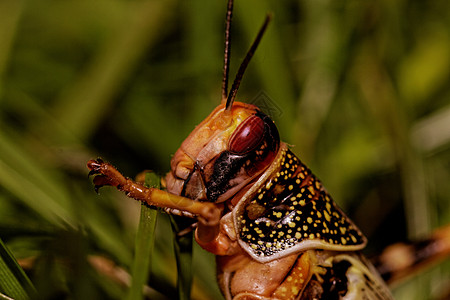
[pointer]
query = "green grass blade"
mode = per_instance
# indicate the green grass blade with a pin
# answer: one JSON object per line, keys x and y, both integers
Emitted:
{"x": 183, "y": 255}
{"x": 145, "y": 241}
{"x": 13, "y": 280}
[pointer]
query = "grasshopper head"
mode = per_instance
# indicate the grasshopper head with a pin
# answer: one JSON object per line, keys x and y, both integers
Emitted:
{"x": 229, "y": 149}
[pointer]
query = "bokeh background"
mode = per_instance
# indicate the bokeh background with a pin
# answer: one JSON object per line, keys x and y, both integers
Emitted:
{"x": 361, "y": 89}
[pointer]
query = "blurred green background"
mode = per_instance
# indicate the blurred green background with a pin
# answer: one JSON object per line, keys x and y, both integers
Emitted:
{"x": 362, "y": 89}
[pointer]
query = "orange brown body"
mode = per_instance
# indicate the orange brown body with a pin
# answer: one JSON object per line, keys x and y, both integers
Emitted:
{"x": 275, "y": 230}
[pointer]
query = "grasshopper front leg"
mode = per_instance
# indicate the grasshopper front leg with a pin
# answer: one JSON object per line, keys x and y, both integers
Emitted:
{"x": 208, "y": 214}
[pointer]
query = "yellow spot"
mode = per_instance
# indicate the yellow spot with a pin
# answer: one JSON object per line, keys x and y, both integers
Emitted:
{"x": 298, "y": 235}
{"x": 302, "y": 202}
{"x": 353, "y": 238}
{"x": 327, "y": 216}
{"x": 297, "y": 181}
{"x": 343, "y": 230}
{"x": 291, "y": 224}
{"x": 311, "y": 236}
{"x": 319, "y": 215}
{"x": 343, "y": 241}
{"x": 291, "y": 187}
{"x": 305, "y": 227}
{"x": 309, "y": 220}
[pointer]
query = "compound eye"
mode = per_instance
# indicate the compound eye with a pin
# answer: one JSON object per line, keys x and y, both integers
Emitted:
{"x": 247, "y": 136}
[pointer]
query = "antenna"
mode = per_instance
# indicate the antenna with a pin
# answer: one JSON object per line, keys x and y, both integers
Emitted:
{"x": 226, "y": 55}
{"x": 244, "y": 64}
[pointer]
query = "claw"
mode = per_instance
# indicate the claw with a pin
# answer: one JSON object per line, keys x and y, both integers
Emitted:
{"x": 104, "y": 174}
{"x": 100, "y": 180}
{"x": 94, "y": 165}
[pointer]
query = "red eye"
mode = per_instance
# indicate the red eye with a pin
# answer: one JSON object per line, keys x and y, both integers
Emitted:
{"x": 247, "y": 136}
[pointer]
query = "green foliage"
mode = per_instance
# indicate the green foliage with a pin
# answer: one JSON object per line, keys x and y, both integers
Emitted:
{"x": 361, "y": 89}
{"x": 13, "y": 280}
{"x": 145, "y": 241}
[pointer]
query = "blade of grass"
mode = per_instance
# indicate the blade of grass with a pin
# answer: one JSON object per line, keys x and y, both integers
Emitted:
{"x": 145, "y": 240}
{"x": 29, "y": 181}
{"x": 13, "y": 280}
{"x": 183, "y": 254}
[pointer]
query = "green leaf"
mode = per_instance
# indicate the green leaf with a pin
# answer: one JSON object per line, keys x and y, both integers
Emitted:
{"x": 183, "y": 255}
{"x": 13, "y": 280}
{"x": 145, "y": 240}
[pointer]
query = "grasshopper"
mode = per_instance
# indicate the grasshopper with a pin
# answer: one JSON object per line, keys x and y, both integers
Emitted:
{"x": 275, "y": 230}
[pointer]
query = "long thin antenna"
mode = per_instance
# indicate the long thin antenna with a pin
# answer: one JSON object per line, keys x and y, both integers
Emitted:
{"x": 226, "y": 56}
{"x": 244, "y": 64}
